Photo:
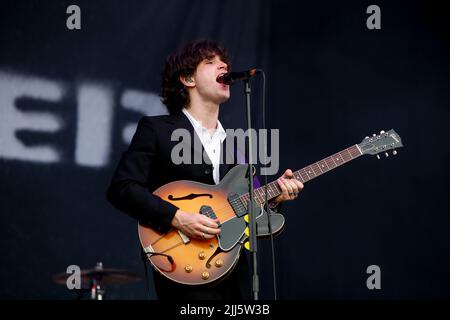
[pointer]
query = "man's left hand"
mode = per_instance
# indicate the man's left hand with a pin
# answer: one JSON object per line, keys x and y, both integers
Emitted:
{"x": 290, "y": 187}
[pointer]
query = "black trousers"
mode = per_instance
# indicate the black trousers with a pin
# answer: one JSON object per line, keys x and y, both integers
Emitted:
{"x": 235, "y": 286}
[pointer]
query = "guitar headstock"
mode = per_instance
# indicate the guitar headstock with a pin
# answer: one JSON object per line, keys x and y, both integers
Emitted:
{"x": 382, "y": 142}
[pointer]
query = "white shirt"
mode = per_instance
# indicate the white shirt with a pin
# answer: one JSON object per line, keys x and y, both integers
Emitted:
{"x": 210, "y": 143}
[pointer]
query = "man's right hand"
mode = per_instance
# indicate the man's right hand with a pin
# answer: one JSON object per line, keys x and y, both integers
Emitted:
{"x": 196, "y": 225}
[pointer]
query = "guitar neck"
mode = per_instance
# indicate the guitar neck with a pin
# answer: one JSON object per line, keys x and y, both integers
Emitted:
{"x": 306, "y": 174}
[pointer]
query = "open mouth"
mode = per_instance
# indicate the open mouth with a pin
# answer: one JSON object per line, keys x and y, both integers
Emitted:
{"x": 218, "y": 79}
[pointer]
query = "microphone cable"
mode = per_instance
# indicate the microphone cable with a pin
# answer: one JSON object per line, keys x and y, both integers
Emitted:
{"x": 265, "y": 186}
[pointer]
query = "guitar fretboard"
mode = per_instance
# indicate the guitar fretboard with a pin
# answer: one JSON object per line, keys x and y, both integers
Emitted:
{"x": 306, "y": 174}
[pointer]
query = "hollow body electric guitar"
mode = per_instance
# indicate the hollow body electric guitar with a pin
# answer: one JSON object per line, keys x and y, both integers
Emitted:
{"x": 196, "y": 262}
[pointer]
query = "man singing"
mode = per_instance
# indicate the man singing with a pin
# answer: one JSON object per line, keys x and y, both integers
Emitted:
{"x": 192, "y": 96}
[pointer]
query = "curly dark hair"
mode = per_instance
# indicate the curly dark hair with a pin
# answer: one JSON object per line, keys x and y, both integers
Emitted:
{"x": 184, "y": 63}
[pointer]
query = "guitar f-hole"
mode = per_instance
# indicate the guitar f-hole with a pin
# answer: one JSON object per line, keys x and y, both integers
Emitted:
{"x": 208, "y": 263}
{"x": 190, "y": 196}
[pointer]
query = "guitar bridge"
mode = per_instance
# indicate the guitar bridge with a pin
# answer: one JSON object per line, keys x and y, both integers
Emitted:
{"x": 184, "y": 237}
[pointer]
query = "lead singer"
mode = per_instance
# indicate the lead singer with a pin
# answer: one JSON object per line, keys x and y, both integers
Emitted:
{"x": 192, "y": 96}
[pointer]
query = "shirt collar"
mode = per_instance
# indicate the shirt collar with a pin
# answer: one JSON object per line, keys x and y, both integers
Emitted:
{"x": 198, "y": 126}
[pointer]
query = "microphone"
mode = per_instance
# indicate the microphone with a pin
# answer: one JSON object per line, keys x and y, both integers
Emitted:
{"x": 232, "y": 77}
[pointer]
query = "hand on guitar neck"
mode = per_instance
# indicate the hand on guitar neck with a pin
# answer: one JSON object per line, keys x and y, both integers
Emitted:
{"x": 196, "y": 225}
{"x": 290, "y": 187}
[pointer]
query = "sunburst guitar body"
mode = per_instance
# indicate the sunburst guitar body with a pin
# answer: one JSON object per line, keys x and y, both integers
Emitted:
{"x": 194, "y": 261}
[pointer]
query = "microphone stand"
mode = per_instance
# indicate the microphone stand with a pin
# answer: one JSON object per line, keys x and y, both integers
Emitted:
{"x": 251, "y": 213}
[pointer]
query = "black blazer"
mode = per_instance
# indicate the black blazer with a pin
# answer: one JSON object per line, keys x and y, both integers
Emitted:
{"x": 147, "y": 165}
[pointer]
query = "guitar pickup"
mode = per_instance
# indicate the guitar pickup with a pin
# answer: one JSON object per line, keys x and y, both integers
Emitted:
{"x": 209, "y": 212}
{"x": 238, "y": 206}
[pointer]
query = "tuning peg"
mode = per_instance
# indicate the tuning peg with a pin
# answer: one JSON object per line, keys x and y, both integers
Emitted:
{"x": 394, "y": 152}
{"x": 386, "y": 154}
{"x": 382, "y": 131}
{"x": 378, "y": 156}
{"x": 367, "y": 137}
{"x": 374, "y": 135}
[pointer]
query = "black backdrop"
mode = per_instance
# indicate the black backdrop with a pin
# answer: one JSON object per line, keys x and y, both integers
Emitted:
{"x": 69, "y": 100}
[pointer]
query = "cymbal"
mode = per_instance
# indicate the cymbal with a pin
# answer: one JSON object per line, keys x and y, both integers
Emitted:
{"x": 100, "y": 276}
